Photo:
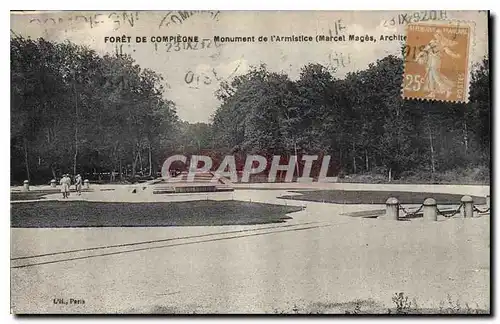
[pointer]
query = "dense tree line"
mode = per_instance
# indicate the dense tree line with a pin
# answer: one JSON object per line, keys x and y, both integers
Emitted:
{"x": 73, "y": 111}
{"x": 360, "y": 120}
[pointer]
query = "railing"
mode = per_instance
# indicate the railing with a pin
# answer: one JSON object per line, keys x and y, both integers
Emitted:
{"x": 466, "y": 208}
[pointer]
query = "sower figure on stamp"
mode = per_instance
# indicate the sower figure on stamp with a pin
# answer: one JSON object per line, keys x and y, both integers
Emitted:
{"x": 434, "y": 80}
{"x": 78, "y": 184}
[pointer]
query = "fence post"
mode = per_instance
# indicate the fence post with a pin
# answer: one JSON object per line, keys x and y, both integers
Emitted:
{"x": 86, "y": 184}
{"x": 430, "y": 209}
{"x": 26, "y": 185}
{"x": 392, "y": 209}
{"x": 53, "y": 183}
{"x": 467, "y": 206}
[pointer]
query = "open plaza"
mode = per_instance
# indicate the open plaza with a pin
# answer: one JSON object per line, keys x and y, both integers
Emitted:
{"x": 319, "y": 258}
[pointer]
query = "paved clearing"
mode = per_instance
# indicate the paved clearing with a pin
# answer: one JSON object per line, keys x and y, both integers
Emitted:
{"x": 319, "y": 260}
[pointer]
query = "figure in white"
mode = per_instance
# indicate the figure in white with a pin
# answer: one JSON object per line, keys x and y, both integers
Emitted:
{"x": 436, "y": 82}
{"x": 65, "y": 183}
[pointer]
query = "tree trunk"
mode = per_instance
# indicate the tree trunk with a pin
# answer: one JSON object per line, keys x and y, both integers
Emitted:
{"x": 433, "y": 166}
{"x": 354, "y": 158}
{"x": 466, "y": 137}
{"x": 121, "y": 171}
{"x": 53, "y": 171}
{"x": 26, "y": 161}
{"x": 76, "y": 133}
{"x": 150, "y": 162}
{"x": 140, "y": 162}
{"x": 341, "y": 158}
{"x": 366, "y": 160}
{"x": 134, "y": 163}
{"x": 390, "y": 174}
{"x": 296, "y": 157}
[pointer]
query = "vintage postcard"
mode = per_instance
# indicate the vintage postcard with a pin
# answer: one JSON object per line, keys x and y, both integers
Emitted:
{"x": 250, "y": 162}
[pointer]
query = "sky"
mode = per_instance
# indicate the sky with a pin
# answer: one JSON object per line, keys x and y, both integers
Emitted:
{"x": 192, "y": 75}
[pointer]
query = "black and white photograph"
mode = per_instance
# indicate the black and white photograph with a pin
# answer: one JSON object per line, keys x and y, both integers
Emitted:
{"x": 201, "y": 162}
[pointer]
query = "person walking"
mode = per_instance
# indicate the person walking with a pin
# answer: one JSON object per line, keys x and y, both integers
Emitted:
{"x": 78, "y": 184}
{"x": 65, "y": 182}
{"x": 68, "y": 179}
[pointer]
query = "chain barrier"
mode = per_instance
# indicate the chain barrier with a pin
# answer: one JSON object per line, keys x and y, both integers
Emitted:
{"x": 445, "y": 214}
{"x": 448, "y": 214}
{"x": 407, "y": 213}
{"x": 487, "y": 210}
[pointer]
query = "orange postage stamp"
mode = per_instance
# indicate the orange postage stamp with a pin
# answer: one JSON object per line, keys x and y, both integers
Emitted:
{"x": 437, "y": 61}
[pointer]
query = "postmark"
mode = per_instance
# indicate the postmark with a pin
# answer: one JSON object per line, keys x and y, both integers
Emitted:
{"x": 437, "y": 61}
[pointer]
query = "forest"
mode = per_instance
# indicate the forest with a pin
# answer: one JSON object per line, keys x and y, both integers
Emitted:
{"x": 74, "y": 111}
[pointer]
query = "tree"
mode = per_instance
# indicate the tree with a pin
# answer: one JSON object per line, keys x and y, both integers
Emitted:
{"x": 75, "y": 110}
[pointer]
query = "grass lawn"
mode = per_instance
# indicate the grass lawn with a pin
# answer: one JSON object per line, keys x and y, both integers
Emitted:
{"x": 377, "y": 197}
{"x": 30, "y": 195}
{"x": 50, "y": 214}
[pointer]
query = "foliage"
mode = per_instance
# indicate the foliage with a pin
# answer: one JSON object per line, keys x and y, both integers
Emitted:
{"x": 76, "y": 112}
{"x": 361, "y": 120}
{"x": 73, "y": 111}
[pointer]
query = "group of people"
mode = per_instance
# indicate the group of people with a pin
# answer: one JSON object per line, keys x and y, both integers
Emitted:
{"x": 66, "y": 183}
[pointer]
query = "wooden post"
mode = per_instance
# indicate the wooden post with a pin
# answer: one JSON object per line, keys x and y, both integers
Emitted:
{"x": 26, "y": 185}
{"x": 430, "y": 209}
{"x": 391, "y": 209}
{"x": 467, "y": 207}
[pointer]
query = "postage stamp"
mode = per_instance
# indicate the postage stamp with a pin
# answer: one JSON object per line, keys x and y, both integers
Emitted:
{"x": 437, "y": 61}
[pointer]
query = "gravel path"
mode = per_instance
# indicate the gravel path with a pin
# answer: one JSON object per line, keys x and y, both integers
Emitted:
{"x": 318, "y": 261}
